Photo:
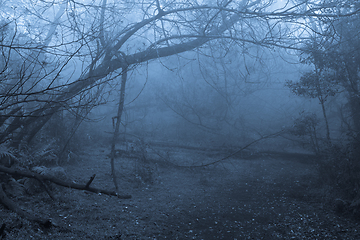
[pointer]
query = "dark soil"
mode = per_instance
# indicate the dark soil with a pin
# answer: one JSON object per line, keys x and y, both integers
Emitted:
{"x": 264, "y": 197}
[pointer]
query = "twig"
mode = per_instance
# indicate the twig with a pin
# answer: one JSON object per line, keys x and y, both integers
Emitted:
{"x": 90, "y": 181}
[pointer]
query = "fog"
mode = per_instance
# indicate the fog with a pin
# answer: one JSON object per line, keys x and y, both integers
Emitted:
{"x": 181, "y": 119}
{"x": 207, "y": 102}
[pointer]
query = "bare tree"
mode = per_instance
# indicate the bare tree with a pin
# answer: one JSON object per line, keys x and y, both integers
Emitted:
{"x": 332, "y": 52}
{"x": 155, "y": 31}
{"x": 106, "y": 39}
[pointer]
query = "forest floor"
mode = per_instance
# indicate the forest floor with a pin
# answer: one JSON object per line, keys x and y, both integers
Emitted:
{"x": 263, "y": 197}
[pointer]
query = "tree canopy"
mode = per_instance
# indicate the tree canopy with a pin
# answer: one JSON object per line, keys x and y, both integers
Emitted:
{"x": 54, "y": 51}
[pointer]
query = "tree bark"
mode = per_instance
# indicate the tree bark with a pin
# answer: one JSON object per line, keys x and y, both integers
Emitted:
{"x": 354, "y": 102}
{"x": 117, "y": 126}
{"x": 322, "y": 102}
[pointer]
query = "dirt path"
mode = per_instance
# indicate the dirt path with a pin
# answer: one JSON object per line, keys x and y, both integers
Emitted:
{"x": 262, "y": 198}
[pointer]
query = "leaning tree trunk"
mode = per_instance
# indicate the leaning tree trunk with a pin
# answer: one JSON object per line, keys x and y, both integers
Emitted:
{"x": 110, "y": 64}
{"x": 41, "y": 116}
{"x": 117, "y": 126}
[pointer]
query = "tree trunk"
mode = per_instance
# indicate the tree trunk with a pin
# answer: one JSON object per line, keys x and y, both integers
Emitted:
{"x": 117, "y": 126}
{"x": 322, "y": 102}
{"x": 355, "y": 114}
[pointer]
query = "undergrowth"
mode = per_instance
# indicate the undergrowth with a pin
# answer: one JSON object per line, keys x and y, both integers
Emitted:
{"x": 339, "y": 174}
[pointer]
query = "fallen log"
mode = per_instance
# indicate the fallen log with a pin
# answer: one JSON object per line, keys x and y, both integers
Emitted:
{"x": 86, "y": 187}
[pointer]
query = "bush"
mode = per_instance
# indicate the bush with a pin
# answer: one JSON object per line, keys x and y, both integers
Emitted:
{"x": 339, "y": 172}
{"x": 306, "y": 128}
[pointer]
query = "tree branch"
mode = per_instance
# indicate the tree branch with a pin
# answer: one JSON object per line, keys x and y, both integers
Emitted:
{"x": 241, "y": 149}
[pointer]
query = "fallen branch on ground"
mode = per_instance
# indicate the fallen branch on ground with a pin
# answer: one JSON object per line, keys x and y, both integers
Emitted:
{"x": 86, "y": 187}
{"x": 239, "y": 150}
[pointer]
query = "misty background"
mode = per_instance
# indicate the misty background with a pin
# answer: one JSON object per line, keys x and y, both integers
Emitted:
{"x": 119, "y": 86}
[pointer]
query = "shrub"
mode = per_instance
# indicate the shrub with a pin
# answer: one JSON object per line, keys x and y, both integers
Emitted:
{"x": 339, "y": 172}
{"x": 306, "y": 128}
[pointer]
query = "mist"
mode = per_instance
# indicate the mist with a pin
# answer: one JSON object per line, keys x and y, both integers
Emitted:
{"x": 179, "y": 119}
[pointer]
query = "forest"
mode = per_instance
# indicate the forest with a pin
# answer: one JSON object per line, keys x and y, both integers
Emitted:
{"x": 180, "y": 119}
